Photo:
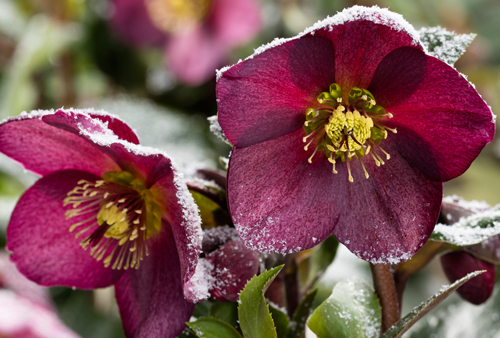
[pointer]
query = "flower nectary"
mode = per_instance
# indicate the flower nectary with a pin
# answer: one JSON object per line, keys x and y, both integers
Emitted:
{"x": 125, "y": 212}
{"x": 171, "y": 16}
{"x": 347, "y": 128}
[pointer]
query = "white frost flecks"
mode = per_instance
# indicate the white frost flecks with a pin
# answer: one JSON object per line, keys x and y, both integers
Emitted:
{"x": 202, "y": 281}
{"x": 395, "y": 256}
{"x": 472, "y": 206}
{"x": 374, "y": 14}
{"x": 445, "y": 45}
{"x": 216, "y": 129}
{"x": 470, "y": 230}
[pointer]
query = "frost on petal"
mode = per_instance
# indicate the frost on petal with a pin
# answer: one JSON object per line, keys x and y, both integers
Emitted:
{"x": 217, "y": 130}
{"x": 198, "y": 287}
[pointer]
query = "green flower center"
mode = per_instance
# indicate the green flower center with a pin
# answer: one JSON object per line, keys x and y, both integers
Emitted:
{"x": 126, "y": 215}
{"x": 347, "y": 131}
{"x": 172, "y": 16}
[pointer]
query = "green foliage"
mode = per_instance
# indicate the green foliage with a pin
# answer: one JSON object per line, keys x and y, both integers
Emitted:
{"x": 213, "y": 328}
{"x": 225, "y": 311}
{"x": 299, "y": 319}
{"x": 352, "y": 311}
{"x": 316, "y": 261}
{"x": 410, "y": 319}
{"x": 280, "y": 320}
{"x": 253, "y": 311}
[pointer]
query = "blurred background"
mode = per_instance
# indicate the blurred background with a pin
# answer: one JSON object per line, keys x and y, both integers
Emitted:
{"x": 137, "y": 59}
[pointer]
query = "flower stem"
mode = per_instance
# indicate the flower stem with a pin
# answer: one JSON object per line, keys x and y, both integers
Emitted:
{"x": 385, "y": 287}
{"x": 291, "y": 284}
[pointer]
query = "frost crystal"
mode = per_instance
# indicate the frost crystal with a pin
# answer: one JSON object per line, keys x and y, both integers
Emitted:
{"x": 217, "y": 130}
{"x": 446, "y": 46}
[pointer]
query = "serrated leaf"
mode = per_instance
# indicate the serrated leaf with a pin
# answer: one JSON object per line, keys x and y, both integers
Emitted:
{"x": 410, "y": 319}
{"x": 469, "y": 230}
{"x": 353, "y": 310}
{"x": 280, "y": 321}
{"x": 213, "y": 328}
{"x": 253, "y": 312}
{"x": 300, "y": 316}
{"x": 216, "y": 129}
{"x": 446, "y": 46}
{"x": 225, "y": 311}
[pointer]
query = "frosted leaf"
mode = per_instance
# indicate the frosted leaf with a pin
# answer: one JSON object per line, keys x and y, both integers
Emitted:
{"x": 469, "y": 230}
{"x": 216, "y": 129}
{"x": 446, "y": 46}
{"x": 353, "y": 310}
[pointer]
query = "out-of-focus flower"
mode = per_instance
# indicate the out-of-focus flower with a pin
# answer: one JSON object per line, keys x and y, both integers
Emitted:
{"x": 457, "y": 264}
{"x": 349, "y": 129}
{"x": 233, "y": 266}
{"x": 26, "y": 309}
{"x": 196, "y": 34}
{"x": 106, "y": 211}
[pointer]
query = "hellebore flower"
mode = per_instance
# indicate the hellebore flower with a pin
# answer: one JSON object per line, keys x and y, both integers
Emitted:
{"x": 233, "y": 266}
{"x": 349, "y": 129}
{"x": 106, "y": 211}
{"x": 457, "y": 264}
{"x": 197, "y": 35}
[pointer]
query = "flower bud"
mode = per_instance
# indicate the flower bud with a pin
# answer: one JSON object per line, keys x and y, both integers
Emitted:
{"x": 458, "y": 264}
{"x": 234, "y": 265}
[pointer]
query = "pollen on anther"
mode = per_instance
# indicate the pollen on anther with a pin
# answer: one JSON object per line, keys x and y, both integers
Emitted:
{"x": 139, "y": 211}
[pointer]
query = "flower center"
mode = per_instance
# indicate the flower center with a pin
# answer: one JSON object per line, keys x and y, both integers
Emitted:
{"x": 121, "y": 213}
{"x": 171, "y": 16}
{"x": 347, "y": 131}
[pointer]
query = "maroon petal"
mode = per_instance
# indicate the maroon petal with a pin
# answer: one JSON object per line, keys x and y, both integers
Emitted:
{"x": 132, "y": 23}
{"x": 194, "y": 55}
{"x": 442, "y": 122}
{"x": 117, "y": 126}
{"x": 43, "y": 248}
{"x": 146, "y": 163}
{"x": 458, "y": 264}
{"x": 362, "y": 42}
{"x": 43, "y": 149}
{"x": 234, "y": 265}
{"x": 151, "y": 299}
{"x": 281, "y": 203}
{"x": 234, "y": 22}
{"x": 181, "y": 216}
{"x": 266, "y": 96}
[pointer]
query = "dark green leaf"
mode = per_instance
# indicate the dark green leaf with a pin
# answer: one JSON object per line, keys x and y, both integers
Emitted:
{"x": 410, "y": 319}
{"x": 300, "y": 316}
{"x": 201, "y": 309}
{"x": 280, "y": 321}
{"x": 353, "y": 310}
{"x": 253, "y": 311}
{"x": 213, "y": 328}
{"x": 225, "y": 311}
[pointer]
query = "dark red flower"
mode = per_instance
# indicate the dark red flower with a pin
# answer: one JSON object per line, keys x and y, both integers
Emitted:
{"x": 383, "y": 125}
{"x": 457, "y": 264}
{"x": 106, "y": 211}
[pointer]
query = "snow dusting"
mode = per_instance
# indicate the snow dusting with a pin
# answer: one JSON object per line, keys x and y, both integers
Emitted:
{"x": 374, "y": 14}
{"x": 202, "y": 281}
{"x": 216, "y": 129}
{"x": 445, "y": 45}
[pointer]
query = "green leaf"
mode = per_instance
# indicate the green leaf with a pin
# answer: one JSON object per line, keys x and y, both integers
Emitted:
{"x": 446, "y": 46}
{"x": 300, "y": 316}
{"x": 210, "y": 212}
{"x": 213, "y": 328}
{"x": 253, "y": 311}
{"x": 201, "y": 309}
{"x": 280, "y": 320}
{"x": 225, "y": 311}
{"x": 417, "y": 313}
{"x": 353, "y": 310}
{"x": 469, "y": 230}
{"x": 320, "y": 260}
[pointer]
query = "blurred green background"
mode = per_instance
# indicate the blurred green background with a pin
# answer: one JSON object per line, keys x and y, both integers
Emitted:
{"x": 56, "y": 53}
